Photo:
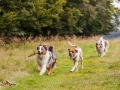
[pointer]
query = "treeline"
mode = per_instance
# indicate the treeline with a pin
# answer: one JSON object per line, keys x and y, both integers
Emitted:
{"x": 56, "y": 17}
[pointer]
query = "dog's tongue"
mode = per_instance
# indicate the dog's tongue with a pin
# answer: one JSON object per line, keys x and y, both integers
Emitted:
{"x": 39, "y": 53}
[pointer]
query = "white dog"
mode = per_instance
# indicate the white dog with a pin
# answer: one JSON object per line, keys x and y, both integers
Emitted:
{"x": 75, "y": 55}
{"x": 45, "y": 59}
{"x": 102, "y": 46}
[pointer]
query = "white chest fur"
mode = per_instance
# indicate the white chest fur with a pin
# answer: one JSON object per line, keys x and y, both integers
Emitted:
{"x": 42, "y": 61}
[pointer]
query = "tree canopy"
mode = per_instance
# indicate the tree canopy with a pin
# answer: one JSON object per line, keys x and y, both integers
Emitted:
{"x": 63, "y": 17}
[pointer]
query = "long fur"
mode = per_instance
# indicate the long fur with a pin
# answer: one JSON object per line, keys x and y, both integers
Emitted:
{"x": 46, "y": 59}
{"x": 42, "y": 61}
{"x": 102, "y": 46}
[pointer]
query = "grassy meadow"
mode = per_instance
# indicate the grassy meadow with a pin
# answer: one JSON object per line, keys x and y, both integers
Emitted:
{"x": 99, "y": 73}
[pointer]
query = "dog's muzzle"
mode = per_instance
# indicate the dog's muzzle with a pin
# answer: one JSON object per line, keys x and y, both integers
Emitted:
{"x": 40, "y": 53}
{"x": 71, "y": 55}
{"x": 99, "y": 45}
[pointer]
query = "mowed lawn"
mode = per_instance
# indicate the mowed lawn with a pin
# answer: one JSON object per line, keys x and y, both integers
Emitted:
{"x": 99, "y": 73}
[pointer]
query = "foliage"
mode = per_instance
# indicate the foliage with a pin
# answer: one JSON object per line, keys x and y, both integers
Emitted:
{"x": 8, "y": 23}
{"x": 43, "y": 17}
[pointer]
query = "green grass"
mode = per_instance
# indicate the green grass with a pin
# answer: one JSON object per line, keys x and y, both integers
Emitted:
{"x": 98, "y": 73}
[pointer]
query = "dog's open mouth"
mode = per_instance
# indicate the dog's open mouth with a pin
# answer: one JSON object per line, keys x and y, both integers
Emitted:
{"x": 71, "y": 56}
{"x": 39, "y": 53}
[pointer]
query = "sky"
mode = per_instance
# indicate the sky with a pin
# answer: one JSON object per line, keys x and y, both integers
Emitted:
{"x": 116, "y": 4}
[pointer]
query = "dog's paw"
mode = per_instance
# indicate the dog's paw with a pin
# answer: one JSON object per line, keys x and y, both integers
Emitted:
{"x": 71, "y": 71}
{"x": 48, "y": 73}
{"x": 55, "y": 66}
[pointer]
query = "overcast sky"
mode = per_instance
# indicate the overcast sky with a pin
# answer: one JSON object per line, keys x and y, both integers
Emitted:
{"x": 116, "y": 4}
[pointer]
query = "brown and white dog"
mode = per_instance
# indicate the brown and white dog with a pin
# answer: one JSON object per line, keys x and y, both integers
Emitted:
{"x": 75, "y": 54}
{"x": 46, "y": 59}
{"x": 102, "y": 46}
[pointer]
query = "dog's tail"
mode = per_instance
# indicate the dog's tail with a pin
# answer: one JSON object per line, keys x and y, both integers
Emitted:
{"x": 71, "y": 44}
{"x": 101, "y": 38}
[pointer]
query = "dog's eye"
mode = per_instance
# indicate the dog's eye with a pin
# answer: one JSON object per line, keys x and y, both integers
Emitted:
{"x": 37, "y": 48}
{"x": 70, "y": 53}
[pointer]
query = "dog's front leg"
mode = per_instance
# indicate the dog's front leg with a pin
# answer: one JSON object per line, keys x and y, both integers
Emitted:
{"x": 102, "y": 54}
{"x": 43, "y": 69}
{"x": 76, "y": 69}
{"x": 75, "y": 66}
{"x": 39, "y": 68}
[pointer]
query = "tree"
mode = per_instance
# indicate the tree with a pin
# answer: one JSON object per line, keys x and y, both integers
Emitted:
{"x": 39, "y": 14}
{"x": 35, "y": 17}
{"x": 8, "y": 18}
{"x": 96, "y": 17}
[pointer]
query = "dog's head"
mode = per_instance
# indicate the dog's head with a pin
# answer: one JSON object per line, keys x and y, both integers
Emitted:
{"x": 42, "y": 49}
{"x": 100, "y": 43}
{"x": 72, "y": 53}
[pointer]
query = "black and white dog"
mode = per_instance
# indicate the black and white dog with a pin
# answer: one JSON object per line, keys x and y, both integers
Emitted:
{"x": 102, "y": 46}
{"x": 46, "y": 59}
{"x": 75, "y": 54}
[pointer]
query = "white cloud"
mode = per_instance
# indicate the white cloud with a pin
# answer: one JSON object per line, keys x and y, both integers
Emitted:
{"x": 116, "y": 4}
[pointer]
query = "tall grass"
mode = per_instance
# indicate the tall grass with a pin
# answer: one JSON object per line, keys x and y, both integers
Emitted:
{"x": 98, "y": 73}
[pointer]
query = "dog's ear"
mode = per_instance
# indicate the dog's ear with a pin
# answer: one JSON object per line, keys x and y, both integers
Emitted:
{"x": 39, "y": 44}
{"x": 76, "y": 50}
{"x": 45, "y": 46}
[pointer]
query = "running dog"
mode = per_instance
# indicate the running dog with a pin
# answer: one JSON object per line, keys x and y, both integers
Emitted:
{"x": 75, "y": 54}
{"x": 102, "y": 46}
{"x": 46, "y": 59}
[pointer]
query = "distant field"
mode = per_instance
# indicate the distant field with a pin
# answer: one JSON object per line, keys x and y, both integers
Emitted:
{"x": 98, "y": 73}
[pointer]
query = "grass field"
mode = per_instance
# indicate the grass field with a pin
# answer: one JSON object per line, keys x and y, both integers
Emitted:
{"x": 98, "y": 73}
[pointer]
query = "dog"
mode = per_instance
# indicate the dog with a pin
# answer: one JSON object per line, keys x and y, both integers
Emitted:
{"x": 102, "y": 46}
{"x": 75, "y": 54}
{"x": 46, "y": 59}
